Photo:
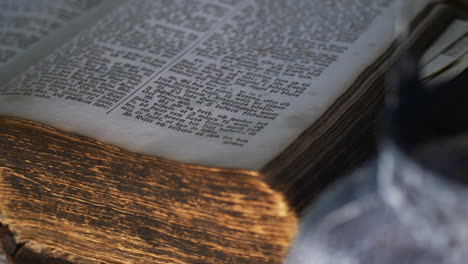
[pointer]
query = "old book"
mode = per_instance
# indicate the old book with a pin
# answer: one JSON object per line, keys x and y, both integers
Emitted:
{"x": 183, "y": 131}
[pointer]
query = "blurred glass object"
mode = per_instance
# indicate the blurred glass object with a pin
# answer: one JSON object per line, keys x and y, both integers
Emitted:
{"x": 410, "y": 204}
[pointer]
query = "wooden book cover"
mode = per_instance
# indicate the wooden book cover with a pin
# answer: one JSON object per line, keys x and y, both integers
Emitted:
{"x": 183, "y": 131}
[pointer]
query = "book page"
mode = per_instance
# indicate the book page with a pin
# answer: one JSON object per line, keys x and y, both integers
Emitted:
{"x": 31, "y": 29}
{"x": 225, "y": 83}
{"x": 447, "y": 51}
{"x": 456, "y": 30}
{"x": 25, "y": 22}
{"x": 457, "y": 54}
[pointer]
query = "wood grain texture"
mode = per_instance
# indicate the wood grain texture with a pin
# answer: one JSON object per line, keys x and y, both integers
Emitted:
{"x": 77, "y": 199}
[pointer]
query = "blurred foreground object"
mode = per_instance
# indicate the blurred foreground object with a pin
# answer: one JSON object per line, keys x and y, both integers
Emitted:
{"x": 408, "y": 206}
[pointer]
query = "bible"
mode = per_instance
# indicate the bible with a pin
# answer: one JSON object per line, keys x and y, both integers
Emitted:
{"x": 183, "y": 131}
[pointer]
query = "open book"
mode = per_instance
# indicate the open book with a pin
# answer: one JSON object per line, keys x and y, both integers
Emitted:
{"x": 158, "y": 131}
